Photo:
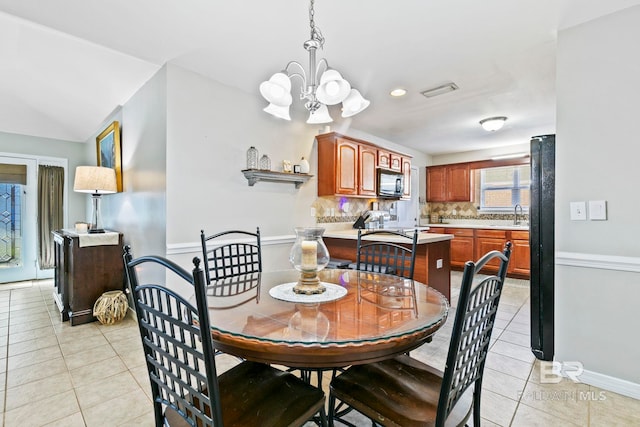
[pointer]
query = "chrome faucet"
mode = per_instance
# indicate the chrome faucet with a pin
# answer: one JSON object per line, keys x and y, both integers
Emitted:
{"x": 516, "y": 221}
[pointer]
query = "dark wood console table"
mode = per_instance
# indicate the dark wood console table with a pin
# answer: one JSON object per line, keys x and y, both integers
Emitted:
{"x": 85, "y": 269}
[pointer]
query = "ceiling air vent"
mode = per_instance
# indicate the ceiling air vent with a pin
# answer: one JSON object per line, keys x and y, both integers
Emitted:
{"x": 449, "y": 87}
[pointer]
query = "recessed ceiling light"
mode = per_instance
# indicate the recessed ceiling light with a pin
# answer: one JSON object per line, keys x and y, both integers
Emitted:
{"x": 493, "y": 123}
{"x": 398, "y": 92}
{"x": 449, "y": 87}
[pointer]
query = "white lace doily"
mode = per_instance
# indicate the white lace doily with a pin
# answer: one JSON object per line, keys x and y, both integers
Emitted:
{"x": 285, "y": 292}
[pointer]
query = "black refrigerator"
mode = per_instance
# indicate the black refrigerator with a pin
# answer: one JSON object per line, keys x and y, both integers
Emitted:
{"x": 541, "y": 241}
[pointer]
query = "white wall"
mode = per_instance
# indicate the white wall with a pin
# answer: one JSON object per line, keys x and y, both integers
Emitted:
{"x": 597, "y": 151}
{"x": 210, "y": 126}
{"x": 139, "y": 212}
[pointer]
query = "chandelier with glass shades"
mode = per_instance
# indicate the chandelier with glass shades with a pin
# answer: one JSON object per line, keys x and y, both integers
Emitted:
{"x": 321, "y": 87}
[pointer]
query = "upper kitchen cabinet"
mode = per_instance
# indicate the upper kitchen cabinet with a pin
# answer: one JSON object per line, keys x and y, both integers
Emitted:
{"x": 396, "y": 162}
{"x": 406, "y": 171}
{"x": 367, "y": 170}
{"x": 449, "y": 183}
{"x": 348, "y": 166}
{"x": 436, "y": 184}
{"x": 339, "y": 166}
{"x": 384, "y": 159}
{"x": 389, "y": 160}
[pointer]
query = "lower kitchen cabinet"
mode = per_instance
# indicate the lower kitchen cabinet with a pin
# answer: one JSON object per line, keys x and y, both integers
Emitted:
{"x": 461, "y": 246}
{"x": 83, "y": 274}
{"x": 520, "y": 262}
{"x": 470, "y": 244}
{"x": 487, "y": 241}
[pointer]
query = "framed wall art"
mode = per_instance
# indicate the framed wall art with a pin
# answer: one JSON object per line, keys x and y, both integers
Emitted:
{"x": 108, "y": 149}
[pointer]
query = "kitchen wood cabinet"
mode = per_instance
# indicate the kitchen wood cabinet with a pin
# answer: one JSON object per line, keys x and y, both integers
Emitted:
{"x": 489, "y": 240}
{"x": 384, "y": 159}
{"x": 348, "y": 166}
{"x": 367, "y": 170}
{"x": 449, "y": 183}
{"x": 337, "y": 165}
{"x": 520, "y": 263}
{"x": 436, "y": 184}
{"x": 462, "y": 246}
{"x": 458, "y": 183}
{"x": 83, "y": 274}
{"x": 406, "y": 172}
{"x": 395, "y": 162}
{"x": 471, "y": 244}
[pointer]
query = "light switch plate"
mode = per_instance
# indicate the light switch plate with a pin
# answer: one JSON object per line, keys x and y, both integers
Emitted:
{"x": 578, "y": 211}
{"x": 598, "y": 210}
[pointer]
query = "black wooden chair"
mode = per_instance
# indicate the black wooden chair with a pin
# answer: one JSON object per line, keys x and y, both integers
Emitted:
{"x": 231, "y": 258}
{"x": 386, "y": 257}
{"x": 178, "y": 349}
{"x": 406, "y": 392}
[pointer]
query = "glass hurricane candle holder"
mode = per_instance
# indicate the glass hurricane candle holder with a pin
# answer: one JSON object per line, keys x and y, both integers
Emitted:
{"x": 309, "y": 255}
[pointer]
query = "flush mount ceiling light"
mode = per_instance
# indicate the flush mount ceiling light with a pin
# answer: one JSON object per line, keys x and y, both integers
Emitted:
{"x": 398, "y": 92}
{"x": 321, "y": 87}
{"x": 439, "y": 90}
{"x": 492, "y": 124}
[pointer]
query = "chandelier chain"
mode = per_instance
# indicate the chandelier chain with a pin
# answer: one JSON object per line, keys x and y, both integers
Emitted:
{"x": 316, "y": 34}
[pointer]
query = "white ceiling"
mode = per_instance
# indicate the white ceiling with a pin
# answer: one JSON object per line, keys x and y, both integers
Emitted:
{"x": 66, "y": 65}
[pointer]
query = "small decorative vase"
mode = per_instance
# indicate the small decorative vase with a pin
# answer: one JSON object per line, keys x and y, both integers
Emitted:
{"x": 309, "y": 255}
{"x": 252, "y": 158}
{"x": 304, "y": 166}
{"x": 265, "y": 163}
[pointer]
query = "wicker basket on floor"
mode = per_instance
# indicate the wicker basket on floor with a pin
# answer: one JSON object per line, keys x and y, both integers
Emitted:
{"x": 111, "y": 307}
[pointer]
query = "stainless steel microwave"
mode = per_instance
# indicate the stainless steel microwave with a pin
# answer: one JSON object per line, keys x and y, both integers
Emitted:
{"x": 390, "y": 183}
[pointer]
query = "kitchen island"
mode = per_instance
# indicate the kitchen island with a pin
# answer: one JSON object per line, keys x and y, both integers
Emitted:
{"x": 432, "y": 254}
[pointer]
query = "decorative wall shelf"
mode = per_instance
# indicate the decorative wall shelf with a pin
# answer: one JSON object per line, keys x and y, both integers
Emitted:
{"x": 255, "y": 175}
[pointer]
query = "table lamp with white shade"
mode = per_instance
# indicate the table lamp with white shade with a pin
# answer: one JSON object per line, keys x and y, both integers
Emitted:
{"x": 95, "y": 180}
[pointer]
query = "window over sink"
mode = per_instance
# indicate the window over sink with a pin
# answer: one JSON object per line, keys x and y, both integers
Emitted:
{"x": 502, "y": 188}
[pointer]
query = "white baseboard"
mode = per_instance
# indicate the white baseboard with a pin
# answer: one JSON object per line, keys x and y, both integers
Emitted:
{"x": 616, "y": 385}
{"x": 603, "y": 262}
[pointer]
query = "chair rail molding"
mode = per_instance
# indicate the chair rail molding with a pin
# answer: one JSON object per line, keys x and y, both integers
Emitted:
{"x": 602, "y": 262}
{"x": 193, "y": 247}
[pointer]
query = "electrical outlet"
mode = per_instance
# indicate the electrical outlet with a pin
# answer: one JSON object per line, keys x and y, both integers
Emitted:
{"x": 439, "y": 263}
{"x": 313, "y": 212}
{"x": 578, "y": 211}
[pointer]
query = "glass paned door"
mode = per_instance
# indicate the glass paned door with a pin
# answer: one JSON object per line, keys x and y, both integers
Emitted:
{"x": 17, "y": 222}
{"x": 10, "y": 225}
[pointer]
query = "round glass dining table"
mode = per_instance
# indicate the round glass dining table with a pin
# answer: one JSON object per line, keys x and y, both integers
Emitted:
{"x": 368, "y": 317}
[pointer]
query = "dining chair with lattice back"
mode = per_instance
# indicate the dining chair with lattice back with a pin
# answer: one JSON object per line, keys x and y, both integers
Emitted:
{"x": 406, "y": 392}
{"x": 387, "y": 257}
{"x": 178, "y": 349}
{"x": 233, "y": 252}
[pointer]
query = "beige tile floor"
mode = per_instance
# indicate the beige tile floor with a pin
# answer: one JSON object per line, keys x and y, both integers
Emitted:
{"x": 52, "y": 374}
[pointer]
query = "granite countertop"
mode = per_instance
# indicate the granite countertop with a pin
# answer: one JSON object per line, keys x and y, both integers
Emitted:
{"x": 423, "y": 237}
{"x": 482, "y": 226}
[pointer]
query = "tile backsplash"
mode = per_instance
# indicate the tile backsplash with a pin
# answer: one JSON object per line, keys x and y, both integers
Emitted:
{"x": 461, "y": 210}
{"x": 345, "y": 209}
